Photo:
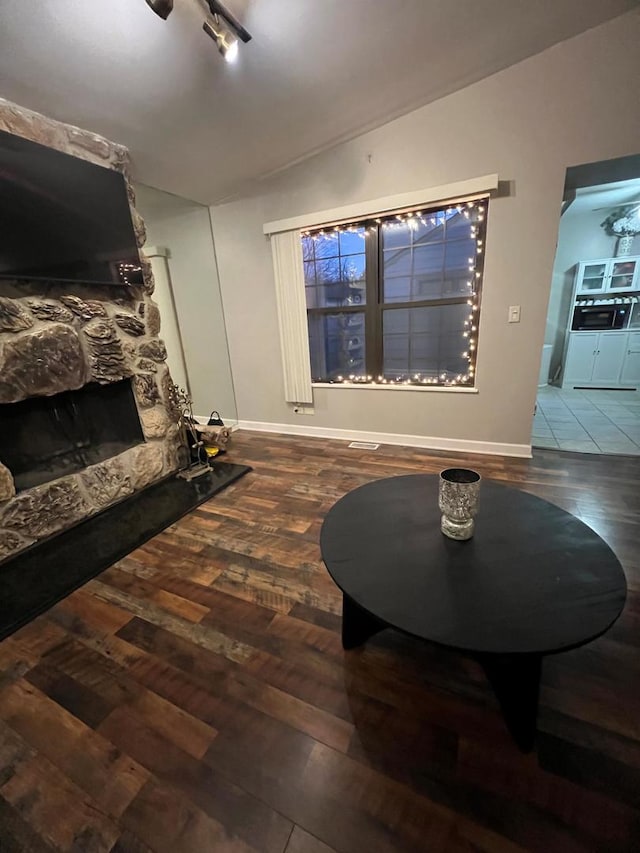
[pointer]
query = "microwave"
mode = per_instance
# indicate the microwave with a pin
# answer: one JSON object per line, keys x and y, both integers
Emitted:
{"x": 594, "y": 317}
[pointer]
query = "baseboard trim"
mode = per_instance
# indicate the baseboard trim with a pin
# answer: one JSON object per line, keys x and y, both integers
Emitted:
{"x": 458, "y": 445}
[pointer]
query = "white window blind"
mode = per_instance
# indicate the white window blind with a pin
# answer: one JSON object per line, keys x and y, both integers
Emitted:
{"x": 286, "y": 250}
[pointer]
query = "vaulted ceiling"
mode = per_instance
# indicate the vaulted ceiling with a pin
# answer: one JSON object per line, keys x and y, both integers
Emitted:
{"x": 316, "y": 72}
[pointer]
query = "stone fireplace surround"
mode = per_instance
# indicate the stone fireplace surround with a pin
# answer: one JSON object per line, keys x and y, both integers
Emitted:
{"x": 58, "y": 337}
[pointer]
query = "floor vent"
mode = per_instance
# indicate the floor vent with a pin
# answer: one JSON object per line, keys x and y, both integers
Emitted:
{"x": 364, "y": 445}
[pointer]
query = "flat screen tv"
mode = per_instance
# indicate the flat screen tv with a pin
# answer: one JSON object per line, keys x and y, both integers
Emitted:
{"x": 63, "y": 219}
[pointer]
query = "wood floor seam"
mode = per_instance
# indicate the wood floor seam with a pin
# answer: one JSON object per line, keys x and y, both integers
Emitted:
{"x": 196, "y": 696}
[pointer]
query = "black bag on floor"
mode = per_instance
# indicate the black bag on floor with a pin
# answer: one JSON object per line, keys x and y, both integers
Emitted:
{"x": 215, "y": 419}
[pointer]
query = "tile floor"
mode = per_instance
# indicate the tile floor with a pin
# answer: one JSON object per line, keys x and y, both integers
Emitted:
{"x": 588, "y": 421}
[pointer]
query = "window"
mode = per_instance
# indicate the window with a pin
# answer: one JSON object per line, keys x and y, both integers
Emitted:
{"x": 395, "y": 298}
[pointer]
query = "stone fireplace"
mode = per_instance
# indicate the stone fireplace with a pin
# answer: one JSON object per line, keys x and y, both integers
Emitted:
{"x": 85, "y": 414}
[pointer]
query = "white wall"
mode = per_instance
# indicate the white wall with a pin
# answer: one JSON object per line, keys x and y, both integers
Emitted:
{"x": 575, "y": 103}
{"x": 184, "y": 228}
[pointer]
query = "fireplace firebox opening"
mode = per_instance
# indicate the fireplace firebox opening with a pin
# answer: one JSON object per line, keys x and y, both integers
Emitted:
{"x": 43, "y": 438}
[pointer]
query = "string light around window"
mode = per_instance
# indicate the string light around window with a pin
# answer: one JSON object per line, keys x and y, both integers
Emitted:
{"x": 413, "y": 219}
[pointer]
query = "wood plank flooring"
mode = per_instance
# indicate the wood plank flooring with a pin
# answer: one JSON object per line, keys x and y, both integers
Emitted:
{"x": 195, "y": 696}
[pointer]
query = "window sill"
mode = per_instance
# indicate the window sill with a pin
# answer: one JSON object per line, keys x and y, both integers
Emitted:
{"x": 360, "y": 386}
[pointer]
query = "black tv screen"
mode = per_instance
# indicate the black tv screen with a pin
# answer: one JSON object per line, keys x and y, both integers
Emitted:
{"x": 63, "y": 219}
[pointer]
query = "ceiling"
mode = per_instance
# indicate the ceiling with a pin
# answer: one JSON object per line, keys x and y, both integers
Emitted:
{"x": 605, "y": 198}
{"x": 316, "y": 72}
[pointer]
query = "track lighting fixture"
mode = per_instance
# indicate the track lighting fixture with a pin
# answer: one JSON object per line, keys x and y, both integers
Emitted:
{"x": 223, "y": 28}
{"x": 219, "y": 11}
{"x": 162, "y": 8}
{"x": 226, "y": 42}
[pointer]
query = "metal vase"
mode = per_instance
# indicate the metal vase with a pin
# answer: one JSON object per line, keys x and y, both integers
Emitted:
{"x": 458, "y": 499}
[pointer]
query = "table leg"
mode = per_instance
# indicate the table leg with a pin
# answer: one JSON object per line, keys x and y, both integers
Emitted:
{"x": 515, "y": 680}
{"x": 357, "y": 624}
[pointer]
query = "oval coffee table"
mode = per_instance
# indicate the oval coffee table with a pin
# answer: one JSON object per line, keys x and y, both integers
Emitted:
{"x": 533, "y": 581}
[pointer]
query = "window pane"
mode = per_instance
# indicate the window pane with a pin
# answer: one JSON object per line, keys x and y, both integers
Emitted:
{"x": 326, "y": 245}
{"x": 328, "y": 271}
{"x": 398, "y": 262}
{"x": 433, "y": 251}
{"x": 309, "y": 273}
{"x": 396, "y": 321}
{"x": 308, "y": 245}
{"x": 396, "y": 236}
{"x": 334, "y": 282}
{"x": 458, "y": 226}
{"x": 459, "y": 265}
{"x": 397, "y": 289}
{"x": 353, "y": 268}
{"x": 428, "y": 260}
{"x": 432, "y": 343}
{"x": 460, "y": 255}
{"x": 337, "y": 345}
{"x": 352, "y": 242}
{"x": 434, "y": 228}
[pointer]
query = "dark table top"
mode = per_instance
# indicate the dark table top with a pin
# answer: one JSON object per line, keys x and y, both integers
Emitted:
{"x": 532, "y": 579}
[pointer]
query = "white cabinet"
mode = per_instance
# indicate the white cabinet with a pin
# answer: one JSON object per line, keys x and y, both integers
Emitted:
{"x": 595, "y": 359}
{"x": 630, "y": 374}
{"x": 609, "y": 358}
{"x": 580, "y": 358}
{"x": 608, "y": 275}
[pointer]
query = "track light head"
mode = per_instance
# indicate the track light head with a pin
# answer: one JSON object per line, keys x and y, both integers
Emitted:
{"x": 219, "y": 11}
{"x": 222, "y": 27}
{"x": 231, "y": 52}
{"x": 226, "y": 42}
{"x": 162, "y": 8}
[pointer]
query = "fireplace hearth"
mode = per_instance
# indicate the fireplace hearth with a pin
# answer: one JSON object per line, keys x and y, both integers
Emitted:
{"x": 35, "y": 579}
{"x": 43, "y": 438}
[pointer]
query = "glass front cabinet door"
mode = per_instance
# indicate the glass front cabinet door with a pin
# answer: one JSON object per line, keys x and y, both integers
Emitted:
{"x": 609, "y": 275}
{"x": 592, "y": 277}
{"x": 624, "y": 274}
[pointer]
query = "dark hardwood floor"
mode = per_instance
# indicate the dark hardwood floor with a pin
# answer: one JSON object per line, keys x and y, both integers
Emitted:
{"x": 196, "y": 697}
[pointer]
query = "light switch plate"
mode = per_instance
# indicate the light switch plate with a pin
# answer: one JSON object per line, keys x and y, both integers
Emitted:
{"x": 514, "y": 313}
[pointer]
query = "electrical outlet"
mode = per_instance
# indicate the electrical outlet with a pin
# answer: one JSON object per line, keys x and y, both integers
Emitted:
{"x": 514, "y": 313}
{"x": 304, "y": 410}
